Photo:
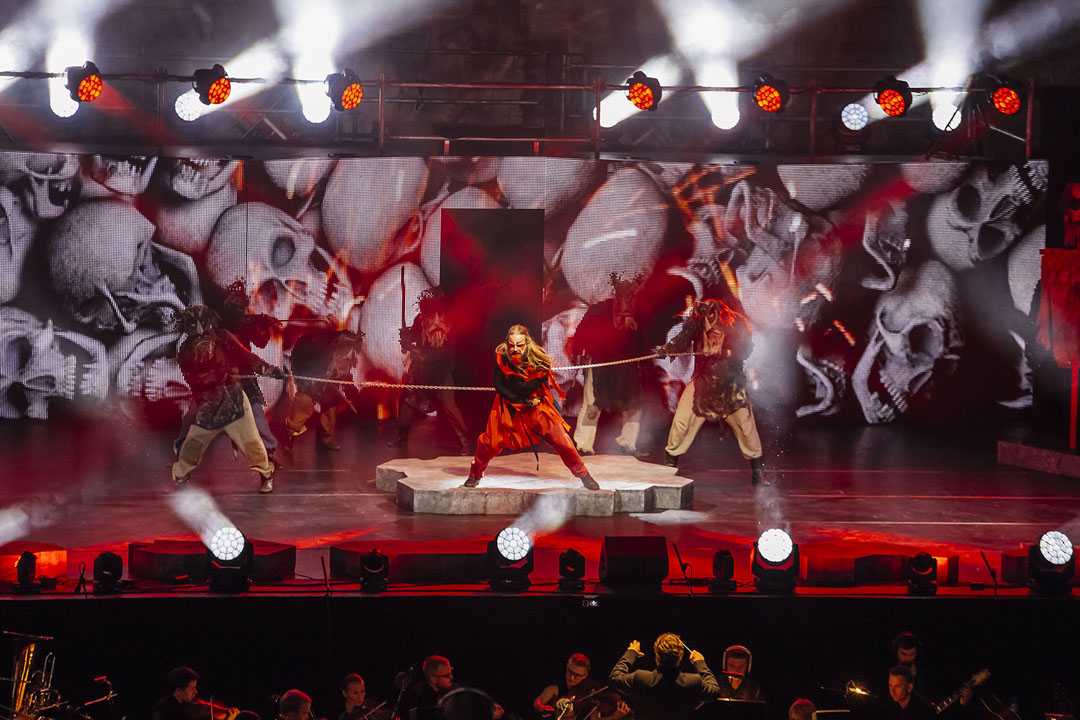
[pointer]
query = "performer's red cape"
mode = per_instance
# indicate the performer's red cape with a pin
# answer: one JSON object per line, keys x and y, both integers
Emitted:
{"x": 516, "y": 426}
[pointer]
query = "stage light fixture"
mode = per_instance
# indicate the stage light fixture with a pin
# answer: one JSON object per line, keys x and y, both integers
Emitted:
{"x": 644, "y": 92}
{"x": 84, "y": 83}
{"x": 345, "y": 90}
{"x": 108, "y": 572}
{"x": 922, "y": 574}
{"x": 771, "y": 94}
{"x": 775, "y": 561}
{"x": 510, "y": 560}
{"x": 571, "y": 571}
{"x": 1051, "y": 563}
{"x": 188, "y": 108}
{"x": 893, "y": 96}
{"x": 1006, "y": 98}
{"x": 231, "y": 561}
{"x": 374, "y": 572}
{"x": 26, "y": 574}
{"x": 212, "y": 85}
{"x": 723, "y": 568}
{"x": 854, "y": 117}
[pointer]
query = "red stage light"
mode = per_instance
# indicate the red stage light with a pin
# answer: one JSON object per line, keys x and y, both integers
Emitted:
{"x": 644, "y": 92}
{"x": 345, "y": 90}
{"x": 770, "y": 94}
{"x": 893, "y": 96}
{"x": 212, "y": 85}
{"x": 1007, "y": 100}
{"x": 84, "y": 83}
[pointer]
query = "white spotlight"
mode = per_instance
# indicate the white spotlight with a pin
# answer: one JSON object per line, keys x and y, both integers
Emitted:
{"x": 1055, "y": 547}
{"x": 314, "y": 102}
{"x": 227, "y": 544}
{"x": 188, "y": 107}
{"x": 68, "y": 48}
{"x": 775, "y": 545}
{"x": 854, "y": 116}
{"x": 946, "y": 117}
{"x": 513, "y": 544}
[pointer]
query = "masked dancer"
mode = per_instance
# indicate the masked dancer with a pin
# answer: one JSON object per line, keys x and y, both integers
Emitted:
{"x": 211, "y": 359}
{"x": 722, "y": 337}
{"x": 607, "y": 332}
{"x": 524, "y": 411}
{"x": 429, "y": 361}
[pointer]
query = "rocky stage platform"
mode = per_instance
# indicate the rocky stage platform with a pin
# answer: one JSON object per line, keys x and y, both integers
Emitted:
{"x": 512, "y": 483}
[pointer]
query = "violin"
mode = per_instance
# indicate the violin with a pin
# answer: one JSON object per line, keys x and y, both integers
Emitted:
{"x": 216, "y": 711}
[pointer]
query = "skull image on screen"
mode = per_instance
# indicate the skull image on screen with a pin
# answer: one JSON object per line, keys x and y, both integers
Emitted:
{"x": 39, "y": 363}
{"x": 915, "y": 342}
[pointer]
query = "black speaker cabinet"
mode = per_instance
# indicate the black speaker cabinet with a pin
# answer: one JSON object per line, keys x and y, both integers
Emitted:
{"x": 638, "y": 562}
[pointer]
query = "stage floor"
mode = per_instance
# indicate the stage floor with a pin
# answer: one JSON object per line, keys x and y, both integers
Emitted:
{"x": 840, "y": 491}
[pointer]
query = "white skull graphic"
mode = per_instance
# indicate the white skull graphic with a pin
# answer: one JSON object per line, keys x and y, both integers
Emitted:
{"x": 109, "y": 175}
{"x": 915, "y": 341}
{"x": 284, "y": 269}
{"x": 980, "y": 219}
{"x": 194, "y": 194}
{"x": 793, "y": 262}
{"x": 380, "y": 317}
{"x": 621, "y": 229}
{"x": 1025, "y": 268}
{"x": 39, "y": 363}
{"x": 299, "y": 177}
{"x": 16, "y": 234}
{"x": 146, "y": 368}
{"x": 885, "y": 239}
{"x": 46, "y": 182}
{"x": 555, "y": 331}
{"x": 367, "y": 203}
{"x": 548, "y": 184}
{"x": 821, "y": 186}
{"x": 828, "y": 378}
{"x": 111, "y": 275}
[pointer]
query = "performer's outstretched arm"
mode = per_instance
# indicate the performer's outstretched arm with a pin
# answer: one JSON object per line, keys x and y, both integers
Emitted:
{"x": 691, "y": 327}
{"x": 513, "y": 388}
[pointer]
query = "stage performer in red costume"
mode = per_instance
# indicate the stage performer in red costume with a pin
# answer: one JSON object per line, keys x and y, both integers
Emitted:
{"x": 524, "y": 409}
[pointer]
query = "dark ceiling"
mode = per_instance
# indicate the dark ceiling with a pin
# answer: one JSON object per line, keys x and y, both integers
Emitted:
{"x": 823, "y": 43}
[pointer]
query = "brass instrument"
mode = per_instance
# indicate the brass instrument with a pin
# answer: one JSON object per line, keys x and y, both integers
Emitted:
{"x": 31, "y": 680}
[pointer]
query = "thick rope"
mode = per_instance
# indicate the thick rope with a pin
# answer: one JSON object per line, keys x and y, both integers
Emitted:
{"x": 473, "y": 388}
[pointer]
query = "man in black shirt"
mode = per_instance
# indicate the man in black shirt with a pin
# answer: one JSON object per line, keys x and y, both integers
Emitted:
{"x": 903, "y": 701}
{"x": 664, "y": 692}
{"x": 421, "y": 700}
{"x": 180, "y": 703}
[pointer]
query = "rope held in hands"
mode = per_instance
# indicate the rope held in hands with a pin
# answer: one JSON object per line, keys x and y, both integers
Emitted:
{"x": 476, "y": 388}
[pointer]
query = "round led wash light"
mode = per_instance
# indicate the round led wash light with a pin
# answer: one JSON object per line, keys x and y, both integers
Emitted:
{"x": 513, "y": 543}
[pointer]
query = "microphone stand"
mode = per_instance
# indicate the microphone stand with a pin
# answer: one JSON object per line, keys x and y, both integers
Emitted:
{"x": 682, "y": 568}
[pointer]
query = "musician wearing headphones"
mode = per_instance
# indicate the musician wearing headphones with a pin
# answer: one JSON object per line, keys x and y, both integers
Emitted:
{"x": 357, "y": 704}
{"x": 667, "y": 691}
{"x": 577, "y": 695}
{"x": 735, "y": 682}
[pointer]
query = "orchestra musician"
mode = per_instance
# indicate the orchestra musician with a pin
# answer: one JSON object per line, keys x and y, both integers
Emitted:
{"x": 577, "y": 696}
{"x": 183, "y": 703}
{"x": 735, "y": 682}
{"x": 903, "y": 701}
{"x": 665, "y": 692}
{"x": 357, "y": 705}
{"x": 420, "y": 701}
{"x": 801, "y": 709}
{"x": 294, "y": 705}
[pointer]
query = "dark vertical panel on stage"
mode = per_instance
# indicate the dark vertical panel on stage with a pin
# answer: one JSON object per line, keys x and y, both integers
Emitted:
{"x": 492, "y": 269}
{"x": 1059, "y": 142}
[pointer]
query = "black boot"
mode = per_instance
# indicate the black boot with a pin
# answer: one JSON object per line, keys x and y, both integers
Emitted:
{"x": 757, "y": 472}
{"x": 672, "y": 460}
{"x": 473, "y": 480}
{"x": 588, "y": 481}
